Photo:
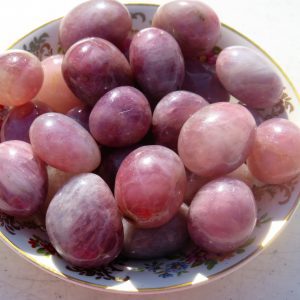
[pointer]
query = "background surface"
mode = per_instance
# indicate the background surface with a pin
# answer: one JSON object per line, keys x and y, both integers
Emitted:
{"x": 275, "y": 274}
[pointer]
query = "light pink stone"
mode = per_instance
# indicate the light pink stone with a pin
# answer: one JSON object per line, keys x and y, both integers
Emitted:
{"x": 249, "y": 77}
{"x": 23, "y": 179}
{"x": 275, "y": 156}
{"x": 194, "y": 25}
{"x": 217, "y": 139}
{"x": 55, "y": 91}
{"x": 21, "y": 77}
{"x": 83, "y": 222}
{"x": 222, "y": 215}
{"x": 150, "y": 186}
{"x": 170, "y": 114}
{"x": 64, "y": 144}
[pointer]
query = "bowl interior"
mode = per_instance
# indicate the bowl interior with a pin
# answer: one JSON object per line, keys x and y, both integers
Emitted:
{"x": 193, "y": 266}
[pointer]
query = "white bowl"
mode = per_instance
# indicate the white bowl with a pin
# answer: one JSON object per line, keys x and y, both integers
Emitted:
{"x": 276, "y": 203}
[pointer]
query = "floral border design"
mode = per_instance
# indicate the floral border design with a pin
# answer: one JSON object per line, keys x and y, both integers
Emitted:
{"x": 176, "y": 264}
{"x": 103, "y": 272}
{"x": 43, "y": 246}
{"x": 271, "y": 190}
{"x": 39, "y": 46}
{"x": 192, "y": 258}
{"x": 11, "y": 224}
{"x": 263, "y": 219}
{"x": 284, "y": 106}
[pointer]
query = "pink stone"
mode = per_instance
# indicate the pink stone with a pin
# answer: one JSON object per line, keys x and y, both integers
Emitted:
{"x": 23, "y": 179}
{"x": 170, "y": 114}
{"x": 222, "y": 216}
{"x": 107, "y": 19}
{"x": 121, "y": 117}
{"x": 275, "y": 156}
{"x": 21, "y": 77}
{"x": 64, "y": 144}
{"x": 249, "y": 77}
{"x": 156, "y": 242}
{"x": 150, "y": 186}
{"x": 83, "y": 222}
{"x": 54, "y": 91}
{"x": 194, "y": 25}
{"x": 217, "y": 139}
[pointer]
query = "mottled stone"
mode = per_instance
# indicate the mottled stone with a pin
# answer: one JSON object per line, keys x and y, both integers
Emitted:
{"x": 92, "y": 67}
{"x": 157, "y": 63}
{"x": 54, "y": 91}
{"x": 83, "y": 222}
{"x": 249, "y": 77}
{"x": 170, "y": 114}
{"x": 217, "y": 139}
{"x": 150, "y": 186}
{"x": 23, "y": 179}
{"x": 64, "y": 144}
{"x": 121, "y": 117}
{"x": 106, "y": 19}
{"x": 222, "y": 215}
{"x": 194, "y": 25}
{"x": 21, "y": 77}
{"x": 56, "y": 180}
{"x": 275, "y": 156}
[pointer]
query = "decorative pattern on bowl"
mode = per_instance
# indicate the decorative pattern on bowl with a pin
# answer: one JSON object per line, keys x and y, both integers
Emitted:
{"x": 276, "y": 203}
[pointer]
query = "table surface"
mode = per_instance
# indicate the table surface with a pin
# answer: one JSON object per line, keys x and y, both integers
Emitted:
{"x": 272, "y": 275}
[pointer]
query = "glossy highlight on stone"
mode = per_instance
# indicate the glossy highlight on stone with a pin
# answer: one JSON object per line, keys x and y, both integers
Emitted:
{"x": 194, "y": 25}
{"x": 249, "y": 77}
{"x": 275, "y": 156}
{"x": 222, "y": 215}
{"x": 23, "y": 179}
{"x": 95, "y": 18}
{"x": 170, "y": 114}
{"x": 94, "y": 66}
{"x": 157, "y": 63}
{"x": 83, "y": 222}
{"x": 21, "y": 77}
{"x": 54, "y": 91}
{"x": 150, "y": 186}
{"x": 64, "y": 144}
{"x": 217, "y": 139}
{"x": 121, "y": 117}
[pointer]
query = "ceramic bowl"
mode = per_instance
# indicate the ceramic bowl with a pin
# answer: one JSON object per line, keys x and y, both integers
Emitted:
{"x": 276, "y": 203}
